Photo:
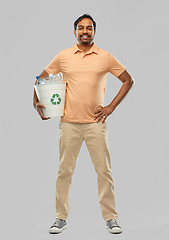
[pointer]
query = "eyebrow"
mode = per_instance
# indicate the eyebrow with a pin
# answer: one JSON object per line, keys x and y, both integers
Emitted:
{"x": 86, "y": 26}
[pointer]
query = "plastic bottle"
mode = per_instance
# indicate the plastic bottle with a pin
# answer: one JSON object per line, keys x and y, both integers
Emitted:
{"x": 39, "y": 80}
{"x": 57, "y": 78}
{"x": 50, "y": 77}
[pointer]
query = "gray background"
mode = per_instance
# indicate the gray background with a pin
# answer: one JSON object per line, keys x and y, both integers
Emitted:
{"x": 136, "y": 33}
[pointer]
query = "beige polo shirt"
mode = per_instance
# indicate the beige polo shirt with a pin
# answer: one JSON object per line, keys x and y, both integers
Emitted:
{"x": 85, "y": 75}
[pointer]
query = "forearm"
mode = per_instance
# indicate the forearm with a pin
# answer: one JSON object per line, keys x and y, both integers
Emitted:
{"x": 35, "y": 98}
{"x": 103, "y": 112}
{"x": 122, "y": 93}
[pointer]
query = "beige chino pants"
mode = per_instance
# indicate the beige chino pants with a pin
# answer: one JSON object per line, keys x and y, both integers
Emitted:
{"x": 71, "y": 136}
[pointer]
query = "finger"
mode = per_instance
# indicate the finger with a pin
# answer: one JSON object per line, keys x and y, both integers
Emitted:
{"x": 39, "y": 110}
{"x": 99, "y": 109}
{"x": 104, "y": 119}
{"x": 45, "y": 118}
{"x": 42, "y": 116}
{"x": 98, "y": 115}
{"x": 40, "y": 106}
{"x": 100, "y": 118}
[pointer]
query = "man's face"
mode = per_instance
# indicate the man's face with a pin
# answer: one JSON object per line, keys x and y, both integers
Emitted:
{"x": 85, "y": 31}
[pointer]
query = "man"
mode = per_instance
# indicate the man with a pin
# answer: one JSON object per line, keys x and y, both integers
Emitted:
{"x": 85, "y": 68}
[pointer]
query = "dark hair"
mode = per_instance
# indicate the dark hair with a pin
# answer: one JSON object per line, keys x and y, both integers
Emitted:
{"x": 82, "y": 17}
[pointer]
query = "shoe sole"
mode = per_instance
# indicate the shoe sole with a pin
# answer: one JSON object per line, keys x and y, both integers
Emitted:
{"x": 56, "y": 230}
{"x": 114, "y": 230}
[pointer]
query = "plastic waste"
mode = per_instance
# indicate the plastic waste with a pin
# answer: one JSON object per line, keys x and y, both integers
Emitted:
{"x": 53, "y": 78}
{"x": 51, "y": 93}
{"x": 39, "y": 80}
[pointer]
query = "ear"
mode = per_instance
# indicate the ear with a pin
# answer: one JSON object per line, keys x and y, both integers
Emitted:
{"x": 75, "y": 33}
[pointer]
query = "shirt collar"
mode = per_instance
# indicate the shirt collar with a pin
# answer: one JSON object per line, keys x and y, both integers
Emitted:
{"x": 94, "y": 49}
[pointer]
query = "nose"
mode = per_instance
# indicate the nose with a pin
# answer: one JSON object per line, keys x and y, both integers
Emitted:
{"x": 85, "y": 30}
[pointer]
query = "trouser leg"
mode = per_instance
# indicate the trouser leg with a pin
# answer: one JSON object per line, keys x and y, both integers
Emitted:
{"x": 70, "y": 141}
{"x": 95, "y": 136}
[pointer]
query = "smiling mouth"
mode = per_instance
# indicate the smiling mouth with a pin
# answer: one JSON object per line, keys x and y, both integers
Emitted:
{"x": 85, "y": 36}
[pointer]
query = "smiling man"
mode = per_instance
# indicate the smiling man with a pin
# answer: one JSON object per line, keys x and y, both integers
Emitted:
{"x": 85, "y": 67}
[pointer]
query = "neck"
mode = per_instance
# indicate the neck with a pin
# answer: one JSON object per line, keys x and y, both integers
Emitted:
{"x": 85, "y": 47}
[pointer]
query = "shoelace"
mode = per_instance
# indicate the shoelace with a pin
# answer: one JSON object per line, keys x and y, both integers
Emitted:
{"x": 56, "y": 222}
{"x": 114, "y": 223}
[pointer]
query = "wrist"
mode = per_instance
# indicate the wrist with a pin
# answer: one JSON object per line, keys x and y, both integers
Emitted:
{"x": 113, "y": 106}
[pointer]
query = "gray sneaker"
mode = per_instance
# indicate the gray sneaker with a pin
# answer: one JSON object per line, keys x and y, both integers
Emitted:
{"x": 113, "y": 226}
{"x": 58, "y": 226}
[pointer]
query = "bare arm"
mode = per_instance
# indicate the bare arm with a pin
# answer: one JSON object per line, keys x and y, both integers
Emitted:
{"x": 36, "y": 103}
{"x": 103, "y": 112}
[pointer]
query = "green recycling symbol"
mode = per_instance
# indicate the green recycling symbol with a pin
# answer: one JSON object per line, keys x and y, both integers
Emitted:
{"x": 55, "y": 99}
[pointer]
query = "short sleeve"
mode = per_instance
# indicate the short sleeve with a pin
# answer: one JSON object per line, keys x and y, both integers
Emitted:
{"x": 54, "y": 66}
{"x": 114, "y": 66}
